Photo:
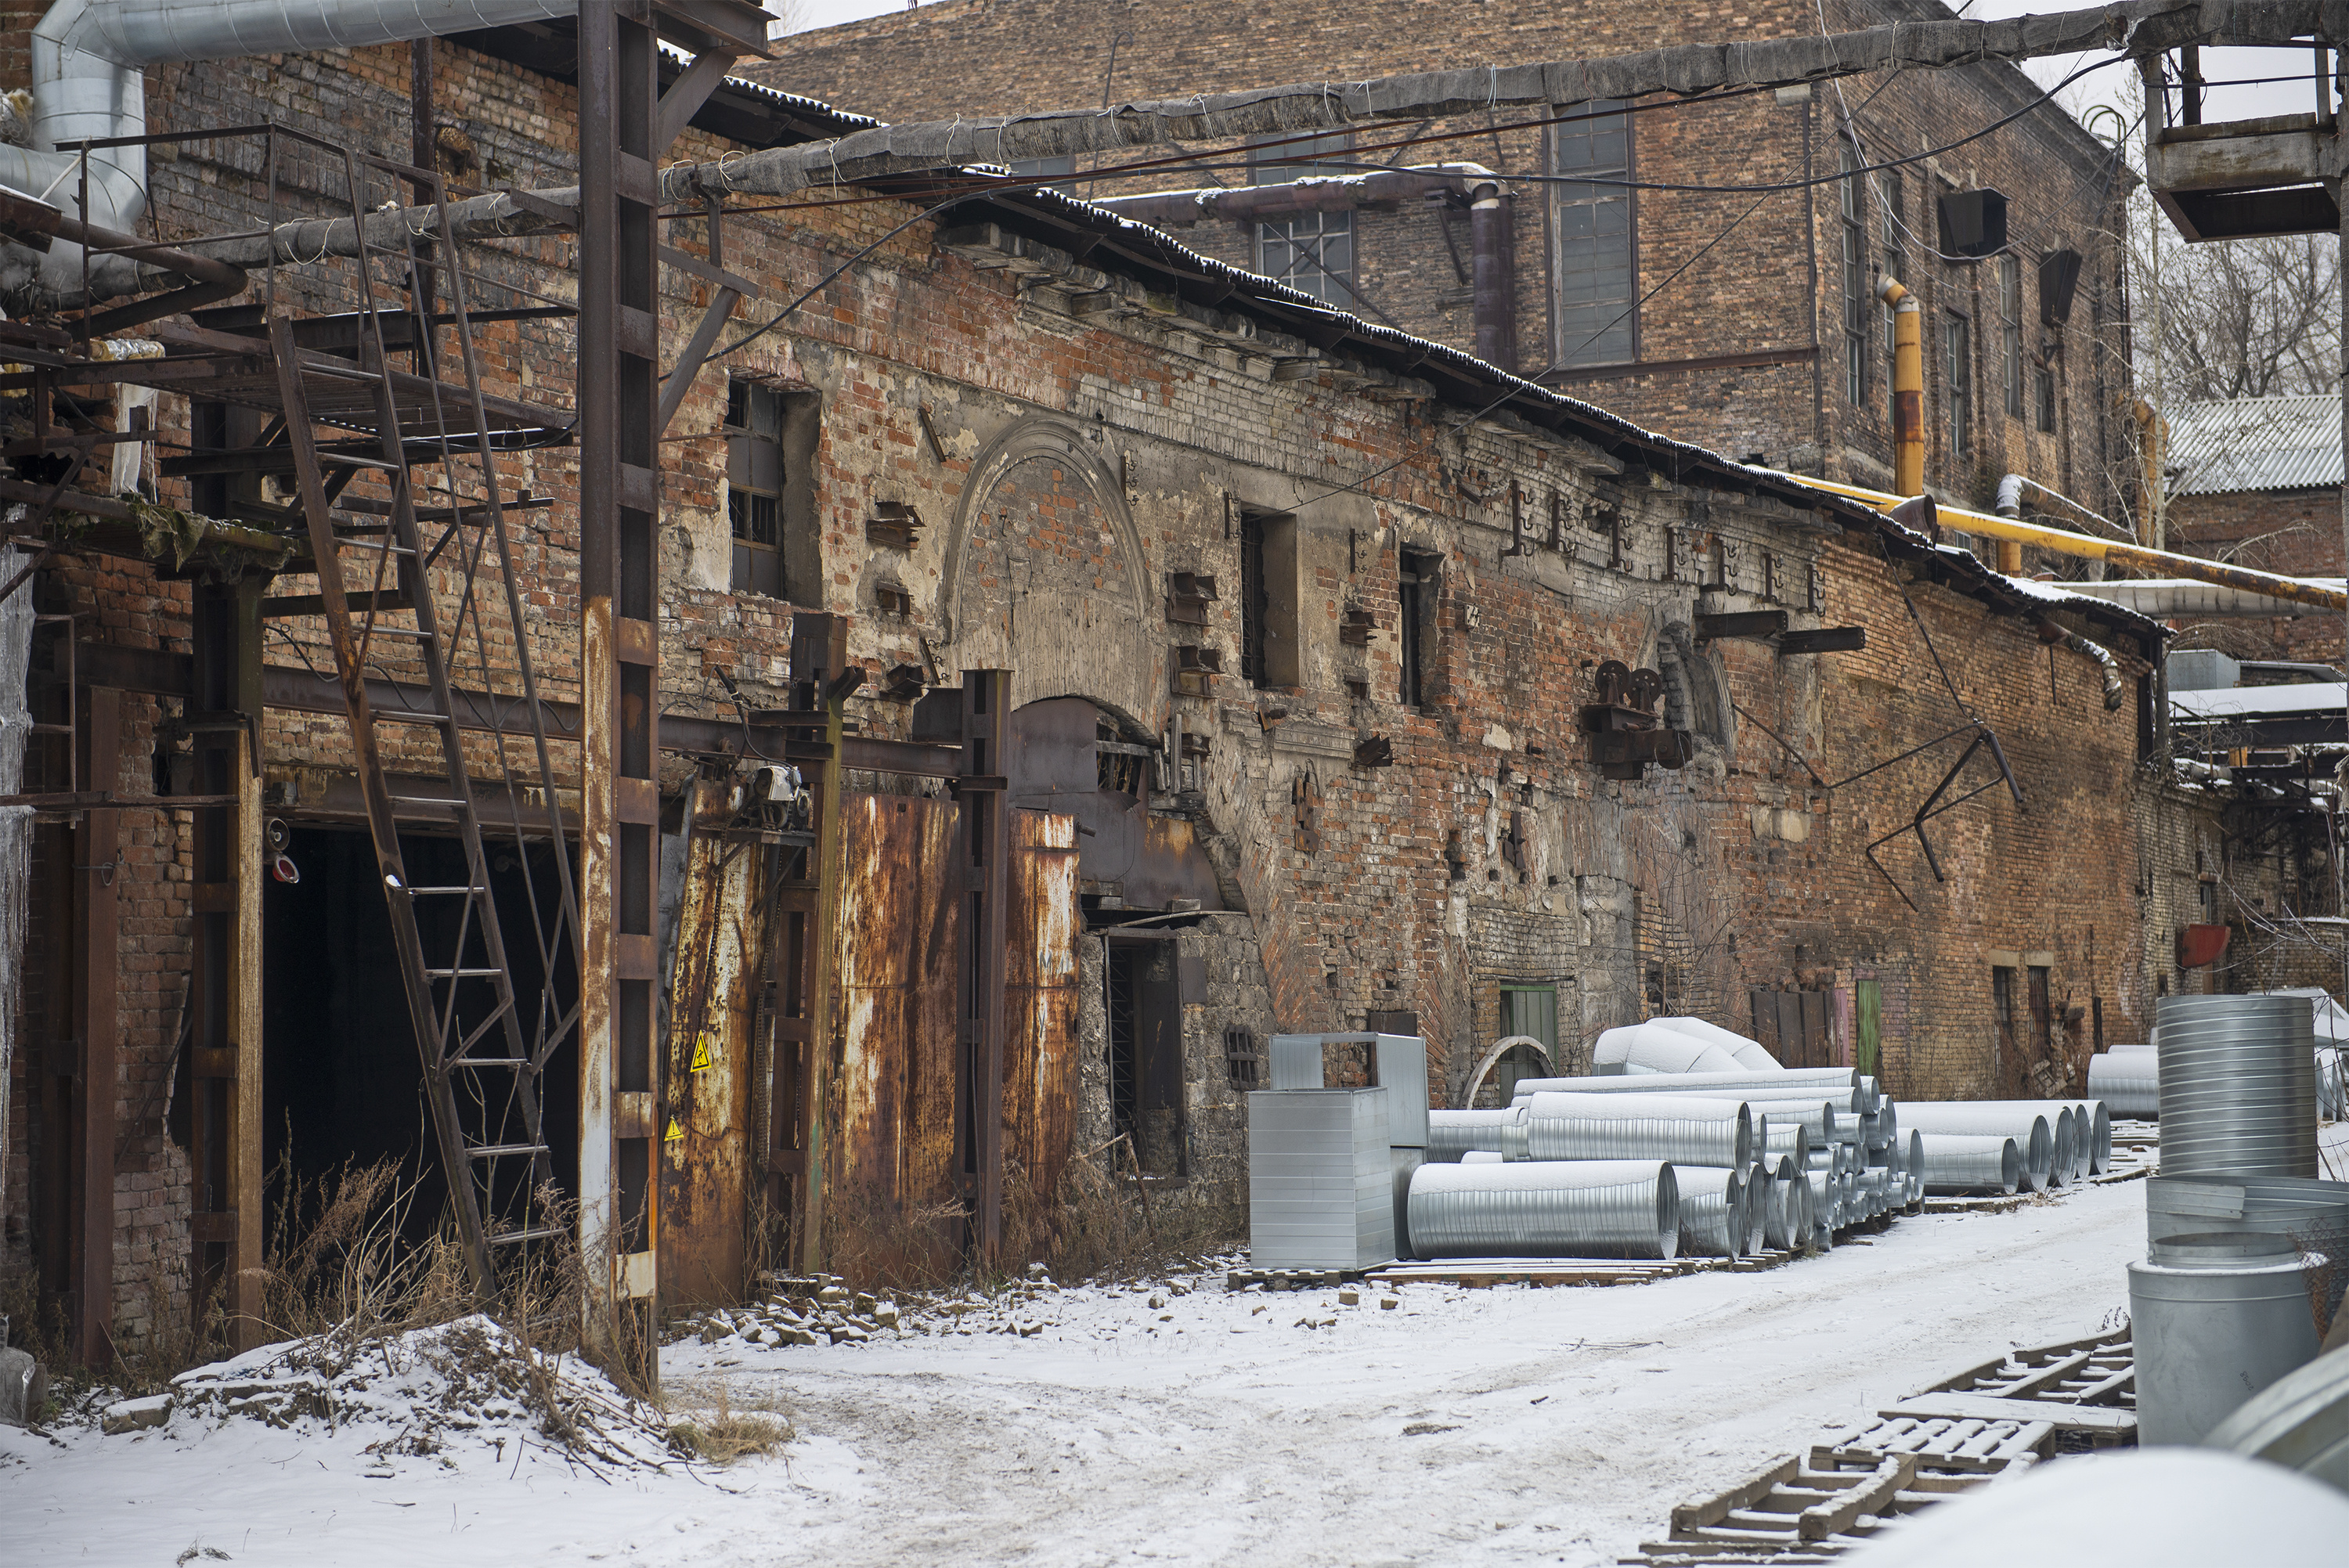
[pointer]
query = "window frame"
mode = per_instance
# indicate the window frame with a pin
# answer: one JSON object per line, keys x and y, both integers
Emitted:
{"x": 1958, "y": 383}
{"x": 1419, "y": 579}
{"x": 1852, "y": 208}
{"x": 1893, "y": 191}
{"x": 2003, "y": 981}
{"x": 2010, "y": 331}
{"x": 1307, "y": 234}
{"x": 1575, "y": 346}
{"x": 755, "y": 565}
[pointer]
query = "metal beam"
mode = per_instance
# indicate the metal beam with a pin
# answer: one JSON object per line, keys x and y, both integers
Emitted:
{"x": 98, "y": 983}
{"x": 984, "y": 846}
{"x": 818, "y": 659}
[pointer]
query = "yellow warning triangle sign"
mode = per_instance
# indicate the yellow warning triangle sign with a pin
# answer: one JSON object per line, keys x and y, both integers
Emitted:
{"x": 675, "y": 1134}
{"x": 700, "y": 1054}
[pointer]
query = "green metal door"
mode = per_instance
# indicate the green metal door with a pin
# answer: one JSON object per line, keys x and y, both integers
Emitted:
{"x": 1868, "y": 1010}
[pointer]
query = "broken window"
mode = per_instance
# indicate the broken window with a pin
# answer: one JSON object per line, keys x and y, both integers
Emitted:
{"x": 1596, "y": 248}
{"x": 1892, "y": 190}
{"x": 1415, "y": 593}
{"x": 754, "y": 486}
{"x": 2010, "y": 332}
{"x": 1854, "y": 279}
{"x": 1310, "y": 252}
{"x": 2043, "y": 387}
{"x": 1269, "y": 598}
{"x": 1958, "y": 369}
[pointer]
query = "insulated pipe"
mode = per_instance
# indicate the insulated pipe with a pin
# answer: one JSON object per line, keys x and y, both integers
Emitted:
{"x": 1639, "y": 1127}
{"x": 1965, "y": 1162}
{"x": 1547, "y": 1209}
{"x": 1750, "y": 1053}
{"x": 1495, "y": 288}
{"x": 1713, "y": 1211}
{"x": 2088, "y": 548}
{"x": 1634, "y": 1048}
{"x": 87, "y": 56}
{"x": 1908, "y": 387}
{"x": 2166, "y": 599}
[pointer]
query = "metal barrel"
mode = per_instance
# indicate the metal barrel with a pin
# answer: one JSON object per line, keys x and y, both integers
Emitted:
{"x": 1546, "y": 1209}
{"x": 2025, "y": 1121}
{"x": 2126, "y": 1080}
{"x": 1713, "y": 1211}
{"x": 1968, "y": 1162}
{"x": 2238, "y": 1085}
{"x": 2310, "y": 1213}
{"x": 1453, "y": 1133}
{"x": 1639, "y": 1127}
{"x": 2300, "y": 1421}
{"x": 2214, "y": 1318}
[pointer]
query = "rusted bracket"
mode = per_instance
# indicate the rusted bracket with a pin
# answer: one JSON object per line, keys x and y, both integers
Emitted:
{"x": 679, "y": 380}
{"x": 1928, "y": 810}
{"x": 687, "y": 94}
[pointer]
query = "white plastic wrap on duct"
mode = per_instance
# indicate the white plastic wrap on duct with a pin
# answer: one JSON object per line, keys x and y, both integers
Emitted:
{"x": 1652, "y": 1047}
{"x": 1546, "y": 1209}
{"x": 1453, "y": 1134}
{"x": 15, "y": 823}
{"x": 1750, "y": 1053}
{"x": 1639, "y": 1127}
{"x": 2128, "y": 1080}
{"x": 1966, "y": 1163}
{"x": 1713, "y": 1211}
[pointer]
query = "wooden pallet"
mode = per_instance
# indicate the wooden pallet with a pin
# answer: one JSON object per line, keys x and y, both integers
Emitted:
{"x": 1475, "y": 1272}
{"x": 2096, "y": 1373}
{"x": 1291, "y": 1279}
{"x": 1942, "y": 1444}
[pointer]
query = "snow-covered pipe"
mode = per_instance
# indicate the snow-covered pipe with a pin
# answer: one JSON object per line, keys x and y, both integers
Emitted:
{"x": 1750, "y": 1053}
{"x": 2166, "y": 598}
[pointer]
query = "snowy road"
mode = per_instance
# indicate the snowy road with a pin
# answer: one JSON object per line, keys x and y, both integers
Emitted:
{"x": 1491, "y": 1427}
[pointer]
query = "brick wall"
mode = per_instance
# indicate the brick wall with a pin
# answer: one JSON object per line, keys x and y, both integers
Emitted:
{"x": 2296, "y": 533}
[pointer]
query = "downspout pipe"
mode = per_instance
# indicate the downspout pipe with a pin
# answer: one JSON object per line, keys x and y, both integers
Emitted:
{"x": 2115, "y": 688}
{"x": 1908, "y": 387}
{"x": 1490, "y": 221}
{"x": 88, "y": 59}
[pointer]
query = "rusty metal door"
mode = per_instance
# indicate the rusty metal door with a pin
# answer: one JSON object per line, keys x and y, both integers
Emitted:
{"x": 714, "y": 981}
{"x": 1039, "y": 1000}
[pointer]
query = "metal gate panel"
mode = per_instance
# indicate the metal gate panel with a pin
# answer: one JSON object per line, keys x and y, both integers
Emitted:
{"x": 1040, "y": 998}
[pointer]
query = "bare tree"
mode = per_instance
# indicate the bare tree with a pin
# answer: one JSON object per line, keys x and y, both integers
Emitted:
{"x": 2248, "y": 318}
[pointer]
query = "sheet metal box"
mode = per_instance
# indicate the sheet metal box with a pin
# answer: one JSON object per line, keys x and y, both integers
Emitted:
{"x": 1398, "y": 1062}
{"x": 1321, "y": 1179}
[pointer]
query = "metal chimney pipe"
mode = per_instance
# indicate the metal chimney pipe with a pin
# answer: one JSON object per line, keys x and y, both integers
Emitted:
{"x": 1489, "y": 227}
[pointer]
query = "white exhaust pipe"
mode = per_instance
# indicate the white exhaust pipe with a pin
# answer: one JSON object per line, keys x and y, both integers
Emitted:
{"x": 87, "y": 85}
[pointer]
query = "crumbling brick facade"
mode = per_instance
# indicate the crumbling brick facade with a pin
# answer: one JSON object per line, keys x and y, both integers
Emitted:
{"x": 2292, "y": 532}
{"x": 1070, "y": 437}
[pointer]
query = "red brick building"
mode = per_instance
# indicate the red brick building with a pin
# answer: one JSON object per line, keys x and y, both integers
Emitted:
{"x": 2257, "y": 483}
{"x": 1307, "y": 640}
{"x": 1675, "y": 285}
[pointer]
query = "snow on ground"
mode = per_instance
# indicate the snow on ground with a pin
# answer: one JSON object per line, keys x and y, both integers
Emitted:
{"x": 1499, "y": 1426}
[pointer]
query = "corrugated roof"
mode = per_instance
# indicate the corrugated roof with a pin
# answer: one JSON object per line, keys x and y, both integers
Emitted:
{"x": 2257, "y": 444}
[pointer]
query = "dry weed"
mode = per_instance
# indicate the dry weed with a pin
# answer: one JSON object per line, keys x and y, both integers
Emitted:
{"x": 725, "y": 1434}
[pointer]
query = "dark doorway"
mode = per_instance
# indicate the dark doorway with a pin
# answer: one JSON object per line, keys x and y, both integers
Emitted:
{"x": 342, "y": 1082}
{"x": 1145, "y": 1053}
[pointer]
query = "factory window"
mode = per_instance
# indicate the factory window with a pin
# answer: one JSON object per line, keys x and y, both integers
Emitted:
{"x": 1957, "y": 372}
{"x": 1854, "y": 279}
{"x": 771, "y": 433}
{"x": 1243, "y": 1059}
{"x": 1415, "y": 588}
{"x": 1310, "y": 252}
{"x": 2009, "y": 333}
{"x": 1890, "y": 187}
{"x": 1597, "y": 243}
{"x": 2042, "y": 384}
{"x": 2002, "y": 1007}
{"x": 2043, "y": 1014}
{"x": 1267, "y": 598}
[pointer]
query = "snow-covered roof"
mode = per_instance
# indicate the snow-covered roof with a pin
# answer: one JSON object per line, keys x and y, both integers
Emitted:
{"x": 2222, "y": 447}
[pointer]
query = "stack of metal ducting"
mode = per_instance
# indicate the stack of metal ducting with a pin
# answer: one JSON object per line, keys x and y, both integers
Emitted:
{"x": 2215, "y": 1317}
{"x": 2127, "y": 1079}
{"x": 1713, "y": 1211}
{"x": 2238, "y": 1085}
{"x": 2031, "y": 1123}
{"x": 1956, "y": 1163}
{"x": 1685, "y": 1131}
{"x": 1545, "y": 1208}
{"x": 2312, "y": 1214}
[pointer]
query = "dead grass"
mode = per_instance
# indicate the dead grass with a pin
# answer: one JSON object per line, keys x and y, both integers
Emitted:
{"x": 725, "y": 1434}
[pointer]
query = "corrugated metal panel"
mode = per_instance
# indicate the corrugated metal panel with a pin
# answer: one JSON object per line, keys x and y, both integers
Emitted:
{"x": 713, "y": 997}
{"x": 1040, "y": 998}
{"x": 2257, "y": 444}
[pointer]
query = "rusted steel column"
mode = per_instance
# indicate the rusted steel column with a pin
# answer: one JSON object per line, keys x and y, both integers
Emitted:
{"x": 1489, "y": 238}
{"x": 984, "y": 854}
{"x": 96, "y": 1026}
{"x": 1907, "y": 388}
{"x": 620, "y": 506}
{"x": 821, "y": 681}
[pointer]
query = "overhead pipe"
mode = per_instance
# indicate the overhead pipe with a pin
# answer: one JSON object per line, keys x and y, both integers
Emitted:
{"x": 2323, "y": 595}
{"x": 2010, "y": 502}
{"x": 88, "y": 60}
{"x": 2169, "y": 599}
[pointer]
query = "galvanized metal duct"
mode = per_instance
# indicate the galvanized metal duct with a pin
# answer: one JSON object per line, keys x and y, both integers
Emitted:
{"x": 2238, "y": 1085}
{"x": 1785, "y": 1079}
{"x": 1916, "y": 1171}
{"x": 1750, "y": 1053}
{"x": 1642, "y": 1049}
{"x": 2215, "y": 1319}
{"x": 1547, "y": 1209}
{"x": 2312, "y": 1214}
{"x": 1821, "y": 1119}
{"x": 1713, "y": 1211}
{"x": 1453, "y": 1133}
{"x": 1788, "y": 1136}
{"x": 2300, "y": 1421}
{"x": 1955, "y": 1163}
{"x": 2034, "y": 1133}
{"x": 1639, "y": 1127}
{"x": 2099, "y": 1119}
{"x": 1825, "y": 1219}
{"x": 1483, "y": 1157}
{"x": 2126, "y": 1081}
